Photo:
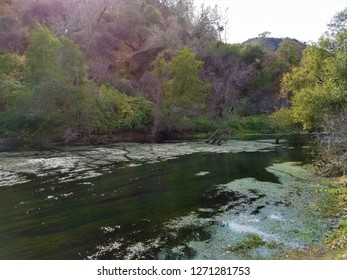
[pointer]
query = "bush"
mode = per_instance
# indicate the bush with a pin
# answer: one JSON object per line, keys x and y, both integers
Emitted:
{"x": 201, "y": 124}
{"x": 17, "y": 124}
{"x": 117, "y": 111}
{"x": 258, "y": 124}
{"x": 311, "y": 105}
{"x": 283, "y": 121}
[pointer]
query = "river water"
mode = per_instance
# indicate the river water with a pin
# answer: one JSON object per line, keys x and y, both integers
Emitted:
{"x": 240, "y": 200}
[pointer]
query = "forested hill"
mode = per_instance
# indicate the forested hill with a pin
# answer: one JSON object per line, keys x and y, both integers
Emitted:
{"x": 85, "y": 70}
{"x": 271, "y": 43}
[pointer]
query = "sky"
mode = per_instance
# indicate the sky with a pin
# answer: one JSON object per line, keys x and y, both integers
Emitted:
{"x": 304, "y": 20}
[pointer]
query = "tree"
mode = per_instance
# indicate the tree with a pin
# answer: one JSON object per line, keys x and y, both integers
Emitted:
{"x": 43, "y": 56}
{"x": 338, "y": 23}
{"x": 184, "y": 91}
{"x": 319, "y": 84}
{"x": 289, "y": 53}
{"x": 311, "y": 105}
{"x": 262, "y": 38}
{"x": 315, "y": 68}
{"x": 56, "y": 72}
{"x": 229, "y": 69}
{"x": 50, "y": 57}
{"x": 72, "y": 62}
{"x": 176, "y": 91}
{"x": 50, "y": 13}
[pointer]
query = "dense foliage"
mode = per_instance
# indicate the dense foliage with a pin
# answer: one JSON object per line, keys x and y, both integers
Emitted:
{"x": 77, "y": 68}
{"x": 317, "y": 88}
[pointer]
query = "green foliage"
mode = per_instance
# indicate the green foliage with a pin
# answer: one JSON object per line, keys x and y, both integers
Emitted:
{"x": 52, "y": 58}
{"x": 117, "y": 111}
{"x": 185, "y": 89}
{"x": 258, "y": 124}
{"x": 53, "y": 96}
{"x": 57, "y": 74}
{"x": 72, "y": 62}
{"x": 50, "y": 83}
{"x": 7, "y": 64}
{"x": 251, "y": 53}
{"x": 289, "y": 54}
{"x": 282, "y": 121}
{"x": 223, "y": 50}
{"x": 338, "y": 239}
{"x": 43, "y": 55}
{"x": 201, "y": 124}
{"x": 319, "y": 83}
{"x": 246, "y": 53}
{"x": 17, "y": 124}
{"x": 184, "y": 92}
{"x": 315, "y": 68}
{"x": 339, "y": 22}
{"x": 310, "y": 105}
{"x": 11, "y": 71}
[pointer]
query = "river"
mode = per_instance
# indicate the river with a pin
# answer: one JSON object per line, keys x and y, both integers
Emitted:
{"x": 187, "y": 200}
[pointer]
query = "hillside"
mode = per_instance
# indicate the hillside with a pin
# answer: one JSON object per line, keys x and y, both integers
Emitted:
{"x": 270, "y": 43}
{"x": 79, "y": 70}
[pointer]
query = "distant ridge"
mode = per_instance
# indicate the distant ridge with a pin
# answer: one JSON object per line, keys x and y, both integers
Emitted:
{"x": 270, "y": 43}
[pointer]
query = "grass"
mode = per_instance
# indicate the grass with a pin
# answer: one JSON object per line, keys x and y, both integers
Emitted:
{"x": 251, "y": 241}
{"x": 335, "y": 245}
{"x": 338, "y": 239}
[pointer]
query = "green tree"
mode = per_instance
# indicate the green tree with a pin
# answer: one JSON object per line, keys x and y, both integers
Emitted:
{"x": 289, "y": 53}
{"x": 311, "y": 105}
{"x": 319, "y": 84}
{"x": 43, "y": 56}
{"x": 315, "y": 68}
{"x": 72, "y": 62}
{"x": 57, "y": 73}
{"x": 184, "y": 91}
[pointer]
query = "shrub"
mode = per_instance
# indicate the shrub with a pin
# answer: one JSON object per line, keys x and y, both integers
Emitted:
{"x": 117, "y": 111}
{"x": 250, "y": 125}
{"x": 201, "y": 124}
{"x": 283, "y": 121}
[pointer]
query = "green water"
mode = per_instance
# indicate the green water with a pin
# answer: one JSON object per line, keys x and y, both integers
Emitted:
{"x": 182, "y": 208}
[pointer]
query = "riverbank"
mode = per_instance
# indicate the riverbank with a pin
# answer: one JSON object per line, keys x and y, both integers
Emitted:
{"x": 335, "y": 245}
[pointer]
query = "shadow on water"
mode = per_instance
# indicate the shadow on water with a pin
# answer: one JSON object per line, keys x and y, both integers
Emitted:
{"x": 117, "y": 214}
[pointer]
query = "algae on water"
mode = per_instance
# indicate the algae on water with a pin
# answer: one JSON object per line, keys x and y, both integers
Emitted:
{"x": 158, "y": 201}
{"x": 270, "y": 213}
{"x": 83, "y": 163}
